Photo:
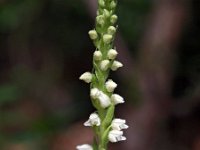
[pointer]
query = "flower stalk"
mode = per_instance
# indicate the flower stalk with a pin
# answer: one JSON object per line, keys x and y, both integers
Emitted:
{"x": 106, "y": 127}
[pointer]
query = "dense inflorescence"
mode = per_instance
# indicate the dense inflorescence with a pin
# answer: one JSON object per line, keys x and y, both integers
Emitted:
{"x": 106, "y": 127}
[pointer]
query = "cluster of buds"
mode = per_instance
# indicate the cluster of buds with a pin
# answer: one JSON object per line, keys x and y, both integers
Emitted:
{"x": 106, "y": 127}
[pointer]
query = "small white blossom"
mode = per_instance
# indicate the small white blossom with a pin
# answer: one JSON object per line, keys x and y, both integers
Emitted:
{"x": 84, "y": 147}
{"x": 112, "y": 54}
{"x": 101, "y": 3}
{"x": 111, "y": 30}
{"x": 93, "y": 34}
{"x": 104, "y": 100}
{"x": 113, "y": 19}
{"x": 87, "y": 77}
{"x": 97, "y": 55}
{"x": 116, "y": 65}
{"x": 107, "y": 38}
{"x": 93, "y": 120}
{"x": 106, "y": 13}
{"x": 100, "y": 20}
{"x": 113, "y": 5}
{"x": 119, "y": 124}
{"x": 104, "y": 65}
{"x": 115, "y": 136}
{"x": 117, "y": 99}
{"x": 110, "y": 85}
{"x": 94, "y": 93}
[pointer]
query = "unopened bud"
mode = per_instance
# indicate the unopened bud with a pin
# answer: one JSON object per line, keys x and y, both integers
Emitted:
{"x": 116, "y": 65}
{"x": 97, "y": 55}
{"x": 112, "y": 54}
{"x": 93, "y": 34}
{"x": 100, "y": 20}
{"x": 106, "y": 13}
{"x": 104, "y": 65}
{"x": 101, "y": 3}
{"x": 107, "y": 38}
{"x": 113, "y": 5}
{"x": 111, "y": 30}
{"x": 113, "y": 19}
{"x": 87, "y": 77}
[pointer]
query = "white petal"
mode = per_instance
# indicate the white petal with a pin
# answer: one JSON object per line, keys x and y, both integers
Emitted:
{"x": 112, "y": 54}
{"x": 93, "y": 120}
{"x": 104, "y": 65}
{"x": 94, "y": 93}
{"x": 117, "y": 99}
{"x": 110, "y": 85}
{"x": 87, "y": 77}
{"x": 119, "y": 124}
{"x": 104, "y": 100}
{"x": 84, "y": 147}
{"x": 116, "y": 135}
{"x": 116, "y": 65}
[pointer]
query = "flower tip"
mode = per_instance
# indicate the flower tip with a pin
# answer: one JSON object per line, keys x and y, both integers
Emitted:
{"x": 87, "y": 77}
{"x": 84, "y": 147}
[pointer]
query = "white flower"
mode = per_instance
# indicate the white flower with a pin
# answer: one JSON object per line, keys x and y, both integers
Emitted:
{"x": 104, "y": 100}
{"x": 94, "y": 93}
{"x": 107, "y": 38}
{"x": 113, "y": 19}
{"x": 116, "y": 65}
{"x": 111, "y": 30}
{"x": 115, "y": 136}
{"x": 93, "y": 34}
{"x": 119, "y": 124}
{"x": 97, "y": 55}
{"x": 93, "y": 120}
{"x": 104, "y": 65}
{"x": 106, "y": 13}
{"x": 112, "y": 54}
{"x": 100, "y": 20}
{"x": 117, "y": 99}
{"x": 110, "y": 85}
{"x": 87, "y": 77}
{"x": 84, "y": 147}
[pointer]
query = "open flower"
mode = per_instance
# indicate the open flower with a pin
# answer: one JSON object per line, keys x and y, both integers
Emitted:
{"x": 116, "y": 64}
{"x": 115, "y": 136}
{"x": 93, "y": 120}
{"x": 84, "y": 147}
{"x": 119, "y": 124}
{"x": 117, "y": 99}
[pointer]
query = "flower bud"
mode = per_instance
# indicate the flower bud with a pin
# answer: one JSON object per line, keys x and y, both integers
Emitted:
{"x": 84, "y": 147}
{"x": 117, "y": 99}
{"x": 106, "y": 13}
{"x": 111, "y": 30}
{"x": 113, "y": 19}
{"x": 97, "y": 55}
{"x": 112, "y": 54}
{"x": 110, "y": 85}
{"x": 87, "y": 77}
{"x": 94, "y": 93}
{"x": 100, "y": 20}
{"x": 104, "y": 100}
{"x": 93, "y": 120}
{"x": 101, "y": 3}
{"x": 93, "y": 34}
{"x": 107, "y": 38}
{"x": 116, "y": 65}
{"x": 115, "y": 136}
{"x": 104, "y": 65}
{"x": 113, "y": 5}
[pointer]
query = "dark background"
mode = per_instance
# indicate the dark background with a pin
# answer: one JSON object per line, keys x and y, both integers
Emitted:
{"x": 44, "y": 48}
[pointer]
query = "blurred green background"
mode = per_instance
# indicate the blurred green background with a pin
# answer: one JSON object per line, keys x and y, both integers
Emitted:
{"x": 44, "y": 48}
